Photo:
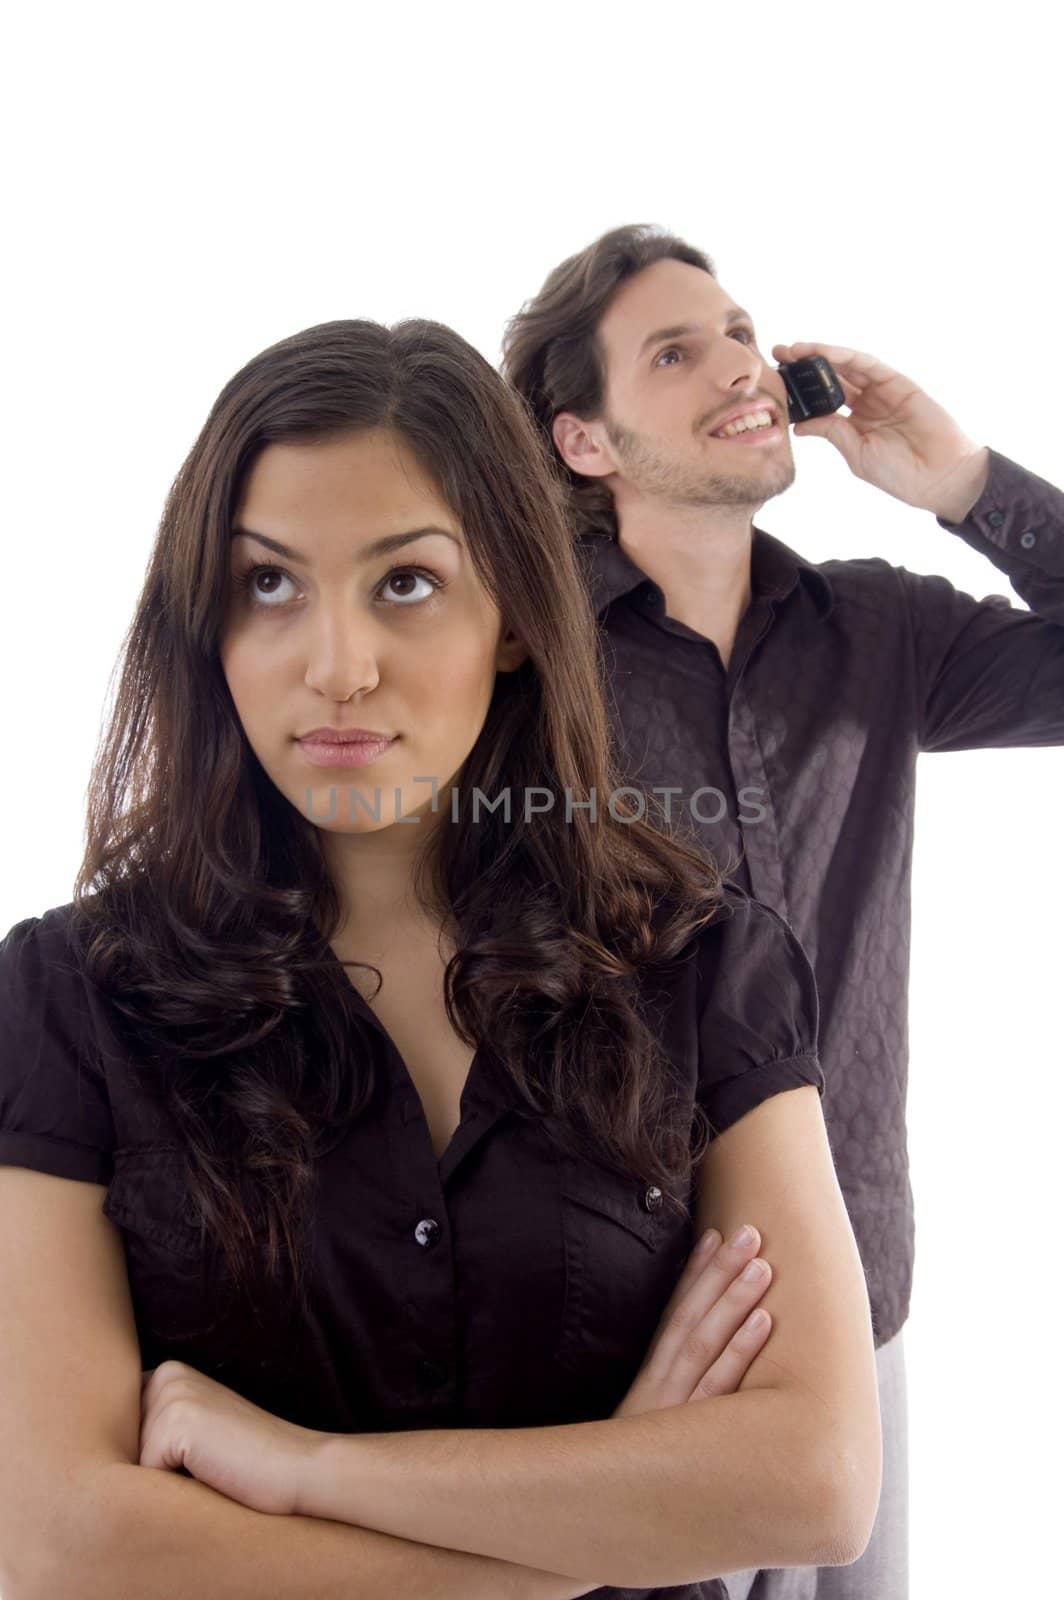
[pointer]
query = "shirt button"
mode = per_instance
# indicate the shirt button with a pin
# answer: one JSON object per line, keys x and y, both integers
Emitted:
{"x": 996, "y": 518}
{"x": 432, "y": 1375}
{"x": 652, "y": 1198}
{"x": 1027, "y": 539}
{"x": 427, "y": 1232}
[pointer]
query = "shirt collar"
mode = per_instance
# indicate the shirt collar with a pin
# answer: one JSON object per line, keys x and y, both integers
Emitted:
{"x": 774, "y": 570}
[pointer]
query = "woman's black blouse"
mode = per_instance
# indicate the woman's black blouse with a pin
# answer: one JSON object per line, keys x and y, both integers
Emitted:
{"x": 507, "y": 1285}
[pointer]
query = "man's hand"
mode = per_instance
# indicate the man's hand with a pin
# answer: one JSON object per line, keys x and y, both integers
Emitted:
{"x": 704, "y": 1343}
{"x": 896, "y": 437}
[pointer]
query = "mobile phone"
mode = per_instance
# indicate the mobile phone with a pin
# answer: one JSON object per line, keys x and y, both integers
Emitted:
{"x": 813, "y": 388}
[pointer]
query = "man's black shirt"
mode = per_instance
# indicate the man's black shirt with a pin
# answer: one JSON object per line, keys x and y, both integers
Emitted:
{"x": 796, "y": 768}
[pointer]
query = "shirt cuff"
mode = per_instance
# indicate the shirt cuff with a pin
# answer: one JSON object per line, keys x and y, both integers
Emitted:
{"x": 1017, "y": 516}
{"x": 732, "y": 1099}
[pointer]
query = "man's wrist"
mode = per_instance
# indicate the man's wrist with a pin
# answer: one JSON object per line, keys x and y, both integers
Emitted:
{"x": 963, "y": 489}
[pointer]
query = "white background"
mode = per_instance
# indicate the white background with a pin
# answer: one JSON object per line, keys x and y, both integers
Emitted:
{"x": 184, "y": 187}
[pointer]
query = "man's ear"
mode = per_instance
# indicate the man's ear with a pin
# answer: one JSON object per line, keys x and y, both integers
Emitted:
{"x": 511, "y": 653}
{"x": 578, "y": 447}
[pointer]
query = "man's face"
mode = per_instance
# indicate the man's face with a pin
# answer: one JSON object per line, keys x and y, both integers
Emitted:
{"x": 667, "y": 393}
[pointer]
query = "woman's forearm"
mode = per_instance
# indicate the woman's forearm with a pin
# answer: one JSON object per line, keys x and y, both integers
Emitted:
{"x": 138, "y": 1531}
{"x": 668, "y": 1497}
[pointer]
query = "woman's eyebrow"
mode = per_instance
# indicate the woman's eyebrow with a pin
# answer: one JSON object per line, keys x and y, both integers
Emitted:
{"x": 379, "y": 547}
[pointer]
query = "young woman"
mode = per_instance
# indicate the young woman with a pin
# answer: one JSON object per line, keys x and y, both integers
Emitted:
{"x": 360, "y": 1114}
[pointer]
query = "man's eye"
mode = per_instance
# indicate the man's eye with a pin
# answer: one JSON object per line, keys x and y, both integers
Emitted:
{"x": 746, "y": 334}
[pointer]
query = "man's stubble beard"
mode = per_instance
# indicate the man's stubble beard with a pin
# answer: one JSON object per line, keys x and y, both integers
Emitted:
{"x": 660, "y": 478}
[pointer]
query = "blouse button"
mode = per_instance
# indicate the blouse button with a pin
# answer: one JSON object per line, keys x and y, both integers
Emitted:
{"x": 427, "y": 1232}
{"x": 1027, "y": 539}
{"x": 652, "y": 1198}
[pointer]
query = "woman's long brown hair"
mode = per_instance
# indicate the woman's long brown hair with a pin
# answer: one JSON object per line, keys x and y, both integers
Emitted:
{"x": 203, "y": 905}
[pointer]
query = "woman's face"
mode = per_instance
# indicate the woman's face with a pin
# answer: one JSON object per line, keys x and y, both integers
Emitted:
{"x": 331, "y": 632}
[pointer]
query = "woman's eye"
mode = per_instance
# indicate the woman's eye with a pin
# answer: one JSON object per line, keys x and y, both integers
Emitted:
{"x": 248, "y": 581}
{"x": 266, "y": 601}
{"x": 418, "y": 576}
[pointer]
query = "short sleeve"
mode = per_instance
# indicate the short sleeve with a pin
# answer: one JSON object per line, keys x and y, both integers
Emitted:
{"x": 55, "y": 1113}
{"x": 758, "y": 1011}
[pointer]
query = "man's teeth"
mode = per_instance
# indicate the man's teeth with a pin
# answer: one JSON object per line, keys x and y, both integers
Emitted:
{"x": 756, "y": 419}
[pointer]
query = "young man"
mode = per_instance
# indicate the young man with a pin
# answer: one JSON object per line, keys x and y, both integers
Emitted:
{"x": 778, "y": 706}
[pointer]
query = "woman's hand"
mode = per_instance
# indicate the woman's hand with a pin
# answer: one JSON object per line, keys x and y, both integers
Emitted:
{"x": 703, "y": 1347}
{"x": 704, "y": 1342}
{"x": 190, "y": 1422}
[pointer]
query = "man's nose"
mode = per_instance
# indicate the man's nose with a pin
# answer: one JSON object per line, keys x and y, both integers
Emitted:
{"x": 739, "y": 366}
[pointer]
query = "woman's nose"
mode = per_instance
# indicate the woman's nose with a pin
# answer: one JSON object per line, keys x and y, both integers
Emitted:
{"x": 341, "y": 660}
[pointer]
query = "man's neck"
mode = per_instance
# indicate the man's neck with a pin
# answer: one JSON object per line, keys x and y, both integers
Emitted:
{"x": 700, "y": 563}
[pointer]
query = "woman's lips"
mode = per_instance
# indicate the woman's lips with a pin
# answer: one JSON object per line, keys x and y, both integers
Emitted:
{"x": 353, "y": 753}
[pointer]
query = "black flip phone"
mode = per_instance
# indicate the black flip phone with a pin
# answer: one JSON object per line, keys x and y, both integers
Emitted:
{"x": 813, "y": 388}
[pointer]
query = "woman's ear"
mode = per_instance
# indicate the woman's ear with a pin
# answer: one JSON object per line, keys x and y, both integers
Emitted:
{"x": 511, "y": 652}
